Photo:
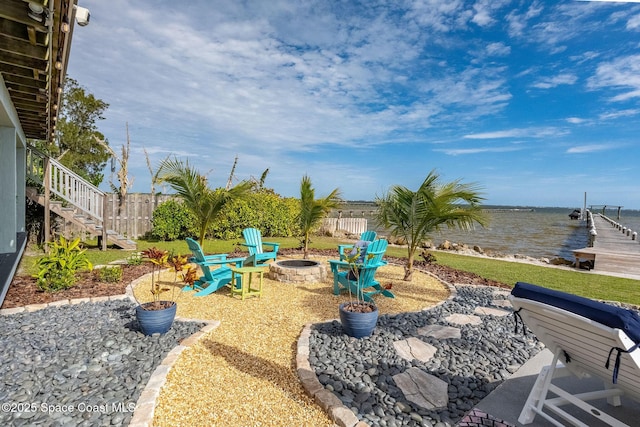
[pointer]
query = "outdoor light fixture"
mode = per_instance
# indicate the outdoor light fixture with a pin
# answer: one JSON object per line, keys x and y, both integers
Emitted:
{"x": 36, "y": 11}
{"x": 65, "y": 24}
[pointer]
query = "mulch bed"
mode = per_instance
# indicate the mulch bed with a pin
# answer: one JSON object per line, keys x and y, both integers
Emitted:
{"x": 23, "y": 290}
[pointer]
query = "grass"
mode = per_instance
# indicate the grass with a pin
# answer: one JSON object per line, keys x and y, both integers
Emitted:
{"x": 572, "y": 281}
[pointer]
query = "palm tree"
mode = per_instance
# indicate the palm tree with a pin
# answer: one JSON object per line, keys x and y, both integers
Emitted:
{"x": 412, "y": 215}
{"x": 313, "y": 211}
{"x": 192, "y": 187}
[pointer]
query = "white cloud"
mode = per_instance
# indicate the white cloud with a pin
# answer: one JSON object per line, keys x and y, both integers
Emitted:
{"x": 477, "y": 150}
{"x": 551, "y": 82}
{"x": 498, "y": 49}
{"x": 576, "y": 120}
{"x": 634, "y": 23}
{"x": 590, "y": 148}
{"x": 622, "y": 73}
{"x": 618, "y": 114}
{"x": 518, "y": 133}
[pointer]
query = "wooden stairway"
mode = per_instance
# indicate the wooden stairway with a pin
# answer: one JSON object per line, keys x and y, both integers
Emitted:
{"x": 81, "y": 203}
{"x": 85, "y": 222}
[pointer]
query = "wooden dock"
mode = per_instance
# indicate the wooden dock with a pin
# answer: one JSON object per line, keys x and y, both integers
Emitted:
{"x": 613, "y": 252}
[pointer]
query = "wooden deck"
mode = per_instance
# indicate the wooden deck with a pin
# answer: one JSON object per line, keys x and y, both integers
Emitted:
{"x": 613, "y": 252}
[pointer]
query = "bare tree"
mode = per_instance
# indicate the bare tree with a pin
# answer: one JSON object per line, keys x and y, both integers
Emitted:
{"x": 155, "y": 179}
{"x": 123, "y": 173}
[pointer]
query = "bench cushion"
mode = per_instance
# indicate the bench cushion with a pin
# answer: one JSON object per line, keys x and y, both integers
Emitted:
{"x": 605, "y": 314}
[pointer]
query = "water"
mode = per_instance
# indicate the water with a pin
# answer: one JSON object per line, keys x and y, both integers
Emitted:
{"x": 535, "y": 232}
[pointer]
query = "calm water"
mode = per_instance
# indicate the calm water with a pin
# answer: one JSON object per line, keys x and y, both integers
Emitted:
{"x": 536, "y": 232}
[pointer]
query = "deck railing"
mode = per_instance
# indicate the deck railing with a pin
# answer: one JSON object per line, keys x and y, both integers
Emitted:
{"x": 65, "y": 184}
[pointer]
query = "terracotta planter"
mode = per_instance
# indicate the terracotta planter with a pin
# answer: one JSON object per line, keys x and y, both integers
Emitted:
{"x": 156, "y": 321}
{"x": 358, "y": 325}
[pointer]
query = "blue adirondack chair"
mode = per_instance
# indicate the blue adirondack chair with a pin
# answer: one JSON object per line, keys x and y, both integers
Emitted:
{"x": 367, "y": 236}
{"x": 215, "y": 269}
{"x": 364, "y": 286}
{"x": 254, "y": 243}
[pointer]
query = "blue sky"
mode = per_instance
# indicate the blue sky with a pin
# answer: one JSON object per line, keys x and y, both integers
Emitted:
{"x": 536, "y": 102}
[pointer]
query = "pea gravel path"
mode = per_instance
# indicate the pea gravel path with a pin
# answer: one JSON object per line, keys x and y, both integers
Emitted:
{"x": 243, "y": 373}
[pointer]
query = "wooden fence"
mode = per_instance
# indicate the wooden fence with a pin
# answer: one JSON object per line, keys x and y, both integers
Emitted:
{"x": 133, "y": 218}
{"x": 349, "y": 225}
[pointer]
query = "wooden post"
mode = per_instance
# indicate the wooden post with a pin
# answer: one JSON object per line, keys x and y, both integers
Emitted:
{"x": 104, "y": 223}
{"x": 47, "y": 197}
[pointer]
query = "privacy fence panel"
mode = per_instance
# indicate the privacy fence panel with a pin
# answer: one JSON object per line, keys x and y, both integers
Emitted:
{"x": 132, "y": 218}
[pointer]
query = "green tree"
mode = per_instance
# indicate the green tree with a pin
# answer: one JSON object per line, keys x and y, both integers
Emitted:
{"x": 205, "y": 204}
{"x": 412, "y": 215}
{"x": 78, "y": 147}
{"x": 313, "y": 211}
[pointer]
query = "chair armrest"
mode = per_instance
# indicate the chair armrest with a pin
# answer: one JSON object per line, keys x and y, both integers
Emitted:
{"x": 274, "y": 246}
{"x": 341, "y": 249}
{"x": 214, "y": 257}
{"x": 209, "y": 258}
{"x": 237, "y": 261}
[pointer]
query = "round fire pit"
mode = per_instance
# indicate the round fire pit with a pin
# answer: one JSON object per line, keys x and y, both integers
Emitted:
{"x": 297, "y": 271}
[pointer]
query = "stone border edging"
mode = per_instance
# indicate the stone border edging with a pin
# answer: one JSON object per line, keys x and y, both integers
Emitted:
{"x": 329, "y": 402}
{"x": 146, "y": 403}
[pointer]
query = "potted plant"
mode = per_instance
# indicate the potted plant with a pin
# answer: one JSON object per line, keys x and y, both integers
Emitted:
{"x": 157, "y": 316}
{"x": 358, "y": 317}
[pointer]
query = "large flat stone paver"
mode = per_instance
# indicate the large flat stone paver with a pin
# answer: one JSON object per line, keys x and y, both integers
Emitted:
{"x": 502, "y": 303}
{"x": 414, "y": 348}
{"x": 426, "y": 391}
{"x": 463, "y": 319}
{"x": 439, "y": 331}
{"x": 488, "y": 311}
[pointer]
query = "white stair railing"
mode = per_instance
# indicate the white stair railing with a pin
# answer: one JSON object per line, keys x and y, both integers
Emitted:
{"x": 66, "y": 184}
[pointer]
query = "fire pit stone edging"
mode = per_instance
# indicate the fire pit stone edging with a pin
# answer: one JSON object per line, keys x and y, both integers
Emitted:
{"x": 297, "y": 271}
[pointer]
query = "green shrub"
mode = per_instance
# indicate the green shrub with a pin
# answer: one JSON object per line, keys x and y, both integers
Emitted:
{"x": 110, "y": 274}
{"x": 172, "y": 220}
{"x": 273, "y": 215}
{"x": 135, "y": 259}
{"x": 57, "y": 270}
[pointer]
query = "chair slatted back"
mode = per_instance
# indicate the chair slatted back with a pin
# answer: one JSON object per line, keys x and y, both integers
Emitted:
{"x": 586, "y": 342}
{"x": 253, "y": 238}
{"x": 196, "y": 250}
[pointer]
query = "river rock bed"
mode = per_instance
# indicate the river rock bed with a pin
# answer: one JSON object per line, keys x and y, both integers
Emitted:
{"x": 360, "y": 371}
{"x": 78, "y": 365}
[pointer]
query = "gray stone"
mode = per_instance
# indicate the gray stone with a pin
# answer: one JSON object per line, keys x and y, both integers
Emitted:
{"x": 425, "y": 390}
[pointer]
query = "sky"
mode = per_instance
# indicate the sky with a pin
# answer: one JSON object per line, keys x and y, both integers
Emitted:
{"x": 534, "y": 102}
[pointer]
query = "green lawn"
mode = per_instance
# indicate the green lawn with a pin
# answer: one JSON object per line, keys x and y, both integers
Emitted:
{"x": 580, "y": 283}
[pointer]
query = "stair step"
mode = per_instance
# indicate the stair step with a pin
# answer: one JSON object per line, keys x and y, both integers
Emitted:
{"x": 111, "y": 233}
{"x": 68, "y": 209}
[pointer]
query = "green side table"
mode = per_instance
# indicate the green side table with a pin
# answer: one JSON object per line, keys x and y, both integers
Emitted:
{"x": 246, "y": 289}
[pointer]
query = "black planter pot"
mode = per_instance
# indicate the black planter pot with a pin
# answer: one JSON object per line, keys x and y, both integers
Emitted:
{"x": 358, "y": 325}
{"x": 156, "y": 321}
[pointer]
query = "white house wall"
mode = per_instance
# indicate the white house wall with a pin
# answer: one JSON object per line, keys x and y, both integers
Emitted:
{"x": 12, "y": 173}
